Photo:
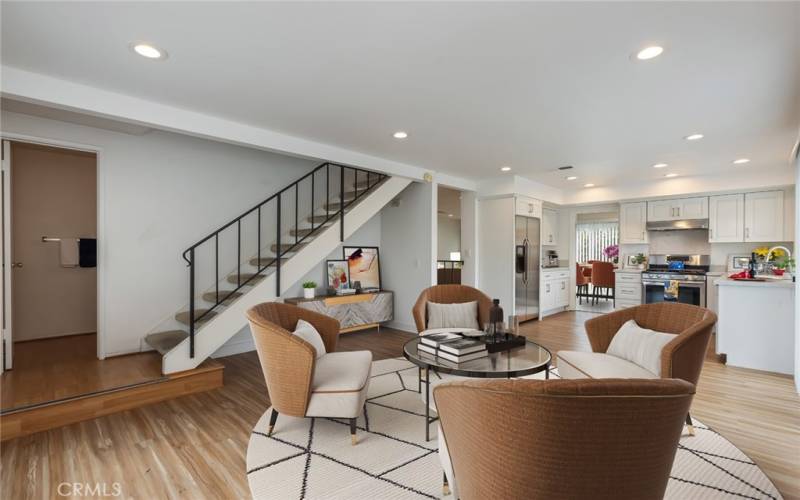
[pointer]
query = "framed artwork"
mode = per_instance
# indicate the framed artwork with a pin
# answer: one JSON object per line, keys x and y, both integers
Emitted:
{"x": 338, "y": 275}
{"x": 738, "y": 262}
{"x": 631, "y": 261}
{"x": 364, "y": 265}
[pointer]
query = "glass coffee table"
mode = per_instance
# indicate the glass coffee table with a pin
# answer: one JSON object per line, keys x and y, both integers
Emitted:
{"x": 513, "y": 363}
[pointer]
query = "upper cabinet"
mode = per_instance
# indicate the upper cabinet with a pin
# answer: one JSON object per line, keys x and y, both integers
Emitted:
{"x": 684, "y": 208}
{"x": 549, "y": 227}
{"x": 633, "y": 223}
{"x": 528, "y": 207}
{"x": 763, "y": 216}
{"x": 726, "y": 218}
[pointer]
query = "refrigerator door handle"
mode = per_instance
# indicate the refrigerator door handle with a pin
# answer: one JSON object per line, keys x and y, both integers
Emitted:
{"x": 525, "y": 260}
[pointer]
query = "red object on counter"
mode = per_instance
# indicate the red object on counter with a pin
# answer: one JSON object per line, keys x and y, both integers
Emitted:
{"x": 778, "y": 272}
{"x": 740, "y": 275}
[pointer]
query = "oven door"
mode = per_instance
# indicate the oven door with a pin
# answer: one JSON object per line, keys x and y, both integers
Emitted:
{"x": 689, "y": 292}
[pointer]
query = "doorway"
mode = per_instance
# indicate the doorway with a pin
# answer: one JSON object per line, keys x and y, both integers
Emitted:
{"x": 449, "y": 262}
{"x": 50, "y": 276}
{"x": 596, "y": 238}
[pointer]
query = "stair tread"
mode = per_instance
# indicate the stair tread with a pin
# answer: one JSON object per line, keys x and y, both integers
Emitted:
{"x": 296, "y": 247}
{"x": 164, "y": 342}
{"x": 266, "y": 261}
{"x": 225, "y": 296}
{"x": 245, "y": 277}
{"x": 183, "y": 316}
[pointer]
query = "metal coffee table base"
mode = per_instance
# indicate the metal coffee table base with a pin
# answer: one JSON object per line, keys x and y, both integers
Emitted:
{"x": 427, "y": 381}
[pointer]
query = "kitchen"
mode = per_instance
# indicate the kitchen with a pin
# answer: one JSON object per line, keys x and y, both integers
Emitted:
{"x": 698, "y": 243}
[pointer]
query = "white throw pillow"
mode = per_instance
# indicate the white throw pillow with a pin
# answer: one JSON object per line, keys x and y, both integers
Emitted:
{"x": 453, "y": 315}
{"x": 307, "y": 332}
{"x": 640, "y": 346}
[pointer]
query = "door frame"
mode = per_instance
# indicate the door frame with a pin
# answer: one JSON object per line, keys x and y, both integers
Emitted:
{"x": 101, "y": 222}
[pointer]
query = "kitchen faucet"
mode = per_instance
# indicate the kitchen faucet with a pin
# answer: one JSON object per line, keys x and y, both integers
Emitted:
{"x": 769, "y": 253}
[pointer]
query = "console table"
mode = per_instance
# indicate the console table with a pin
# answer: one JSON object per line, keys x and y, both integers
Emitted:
{"x": 354, "y": 312}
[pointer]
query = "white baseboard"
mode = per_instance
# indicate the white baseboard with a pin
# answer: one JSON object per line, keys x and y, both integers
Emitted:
{"x": 231, "y": 348}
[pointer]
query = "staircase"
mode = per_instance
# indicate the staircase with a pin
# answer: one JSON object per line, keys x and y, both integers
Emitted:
{"x": 257, "y": 256}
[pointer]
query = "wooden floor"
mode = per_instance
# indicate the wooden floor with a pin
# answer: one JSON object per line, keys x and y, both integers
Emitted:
{"x": 64, "y": 367}
{"x": 194, "y": 446}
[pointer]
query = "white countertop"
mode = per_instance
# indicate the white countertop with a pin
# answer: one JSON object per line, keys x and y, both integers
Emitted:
{"x": 559, "y": 268}
{"x": 773, "y": 283}
{"x": 631, "y": 270}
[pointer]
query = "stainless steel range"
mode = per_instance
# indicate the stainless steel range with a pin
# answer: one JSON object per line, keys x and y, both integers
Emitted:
{"x": 689, "y": 271}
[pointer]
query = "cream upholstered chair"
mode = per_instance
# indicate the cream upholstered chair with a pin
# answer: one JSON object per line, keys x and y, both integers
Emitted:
{"x": 560, "y": 438}
{"x": 301, "y": 384}
{"x": 450, "y": 294}
{"x": 681, "y": 358}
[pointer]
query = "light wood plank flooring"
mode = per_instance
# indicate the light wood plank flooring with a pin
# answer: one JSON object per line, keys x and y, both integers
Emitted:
{"x": 64, "y": 367}
{"x": 194, "y": 446}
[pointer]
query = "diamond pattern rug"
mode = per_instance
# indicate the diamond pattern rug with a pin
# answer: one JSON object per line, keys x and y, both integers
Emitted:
{"x": 309, "y": 458}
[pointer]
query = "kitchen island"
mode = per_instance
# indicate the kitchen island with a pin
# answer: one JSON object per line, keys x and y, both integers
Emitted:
{"x": 755, "y": 328}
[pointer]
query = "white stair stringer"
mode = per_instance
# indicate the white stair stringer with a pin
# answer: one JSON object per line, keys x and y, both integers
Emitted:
{"x": 231, "y": 319}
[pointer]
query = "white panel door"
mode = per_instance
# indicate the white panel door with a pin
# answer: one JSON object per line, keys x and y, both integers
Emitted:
{"x": 633, "y": 223}
{"x": 549, "y": 226}
{"x": 763, "y": 216}
{"x": 548, "y": 295}
{"x": 5, "y": 294}
{"x": 562, "y": 292}
{"x": 661, "y": 210}
{"x": 726, "y": 218}
{"x": 693, "y": 208}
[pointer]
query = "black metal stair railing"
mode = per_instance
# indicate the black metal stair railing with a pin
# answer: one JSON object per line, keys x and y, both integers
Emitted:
{"x": 368, "y": 180}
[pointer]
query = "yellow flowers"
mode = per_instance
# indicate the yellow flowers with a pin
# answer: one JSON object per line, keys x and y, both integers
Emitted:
{"x": 762, "y": 252}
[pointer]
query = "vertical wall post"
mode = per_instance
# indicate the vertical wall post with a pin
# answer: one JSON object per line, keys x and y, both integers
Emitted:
{"x": 191, "y": 303}
{"x": 341, "y": 204}
{"x": 278, "y": 252}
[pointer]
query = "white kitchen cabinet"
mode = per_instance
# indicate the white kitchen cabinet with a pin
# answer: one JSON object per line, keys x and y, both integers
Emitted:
{"x": 528, "y": 207}
{"x": 763, "y": 216}
{"x": 726, "y": 218}
{"x": 633, "y": 223}
{"x": 677, "y": 209}
{"x": 549, "y": 227}
{"x": 555, "y": 289}
{"x": 628, "y": 288}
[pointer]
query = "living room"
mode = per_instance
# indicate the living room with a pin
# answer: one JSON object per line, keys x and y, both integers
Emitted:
{"x": 389, "y": 250}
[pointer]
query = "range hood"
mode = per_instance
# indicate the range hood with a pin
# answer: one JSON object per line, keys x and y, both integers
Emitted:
{"x": 677, "y": 225}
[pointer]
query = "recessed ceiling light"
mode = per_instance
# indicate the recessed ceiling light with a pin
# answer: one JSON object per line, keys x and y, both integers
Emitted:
{"x": 671, "y": 175}
{"x": 149, "y": 51}
{"x": 660, "y": 165}
{"x": 400, "y": 134}
{"x": 590, "y": 185}
{"x": 741, "y": 161}
{"x": 571, "y": 178}
{"x": 505, "y": 169}
{"x": 449, "y": 215}
{"x": 693, "y": 137}
{"x": 649, "y": 52}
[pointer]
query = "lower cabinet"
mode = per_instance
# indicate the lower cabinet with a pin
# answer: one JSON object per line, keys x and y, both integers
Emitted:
{"x": 628, "y": 289}
{"x": 555, "y": 290}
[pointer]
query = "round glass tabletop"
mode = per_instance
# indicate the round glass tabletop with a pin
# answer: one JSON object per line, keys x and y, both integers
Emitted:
{"x": 516, "y": 362}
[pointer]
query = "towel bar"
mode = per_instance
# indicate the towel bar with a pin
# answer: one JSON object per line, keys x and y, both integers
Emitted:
{"x": 46, "y": 239}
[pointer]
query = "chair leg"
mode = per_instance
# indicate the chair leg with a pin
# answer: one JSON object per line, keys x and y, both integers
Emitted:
{"x": 445, "y": 485}
{"x": 689, "y": 424}
{"x": 272, "y": 419}
{"x": 353, "y": 439}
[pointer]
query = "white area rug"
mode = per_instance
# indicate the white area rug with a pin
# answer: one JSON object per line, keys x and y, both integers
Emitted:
{"x": 313, "y": 458}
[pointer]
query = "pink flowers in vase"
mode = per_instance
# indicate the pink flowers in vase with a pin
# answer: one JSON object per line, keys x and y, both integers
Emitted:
{"x": 611, "y": 252}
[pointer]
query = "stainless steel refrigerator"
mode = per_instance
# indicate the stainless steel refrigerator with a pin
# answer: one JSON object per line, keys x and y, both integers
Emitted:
{"x": 526, "y": 280}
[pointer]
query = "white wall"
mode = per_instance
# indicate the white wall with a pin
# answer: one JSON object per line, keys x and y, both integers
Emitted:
{"x": 469, "y": 238}
{"x": 408, "y": 247}
{"x": 496, "y": 220}
{"x": 796, "y": 288}
{"x": 449, "y": 236}
{"x": 160, "y": 193}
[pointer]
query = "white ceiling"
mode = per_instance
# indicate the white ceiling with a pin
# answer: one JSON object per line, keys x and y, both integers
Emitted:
{"x": 476, "y": 85}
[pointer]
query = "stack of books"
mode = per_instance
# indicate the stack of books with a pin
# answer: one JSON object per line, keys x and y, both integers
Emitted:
{"x": 452, "y": 347}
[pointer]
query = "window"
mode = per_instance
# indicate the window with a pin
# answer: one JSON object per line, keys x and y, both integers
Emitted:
{"x": 593, "y": 237}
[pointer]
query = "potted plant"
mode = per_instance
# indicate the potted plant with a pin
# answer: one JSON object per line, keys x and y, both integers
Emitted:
{"x": 640, "y": 258}
{"x": 309, "y": 287}
{"x": 782, "y": 265}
